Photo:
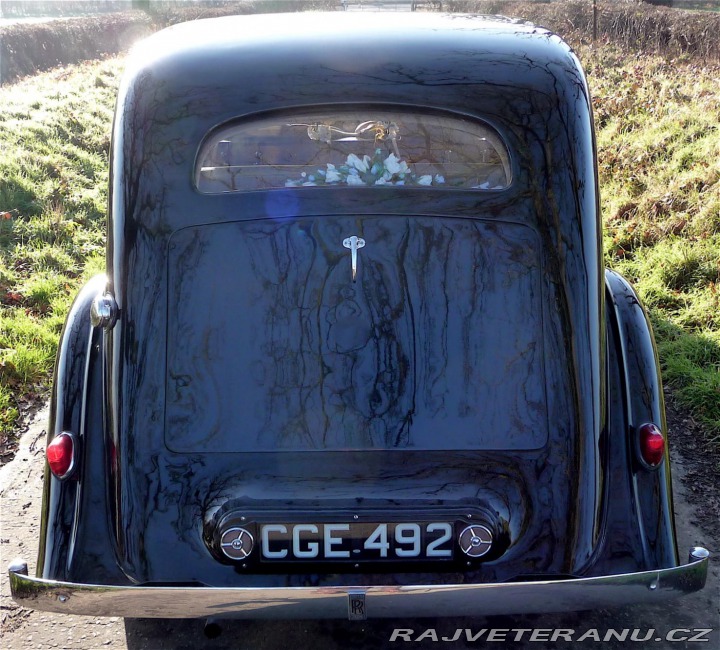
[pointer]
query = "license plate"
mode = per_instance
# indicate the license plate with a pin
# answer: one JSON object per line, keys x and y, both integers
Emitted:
{"x": 356, "y": 542}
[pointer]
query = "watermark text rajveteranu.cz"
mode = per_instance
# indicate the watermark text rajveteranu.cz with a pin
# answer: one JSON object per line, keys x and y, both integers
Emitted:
{"x": 698, "y": 635}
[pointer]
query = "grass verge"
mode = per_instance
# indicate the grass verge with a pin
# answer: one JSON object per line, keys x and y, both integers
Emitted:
{"x": 54, "y": 138}
{"x": 659, "y": 160}
{"x": 658, "y": 130}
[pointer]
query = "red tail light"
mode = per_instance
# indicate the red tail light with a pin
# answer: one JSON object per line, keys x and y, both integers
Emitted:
{"x": 60, "y": 455}
{"x": 652, "y": 444}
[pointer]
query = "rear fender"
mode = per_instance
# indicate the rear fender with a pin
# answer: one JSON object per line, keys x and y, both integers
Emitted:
{"x": 67, "y": 413}
{"x": 642, "y": 397}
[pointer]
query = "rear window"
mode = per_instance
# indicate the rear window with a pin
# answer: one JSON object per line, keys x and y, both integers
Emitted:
{"x": 362, "y": 148}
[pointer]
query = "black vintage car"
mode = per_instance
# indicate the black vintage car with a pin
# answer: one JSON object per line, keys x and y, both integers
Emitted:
{"x": 355, "y": 353}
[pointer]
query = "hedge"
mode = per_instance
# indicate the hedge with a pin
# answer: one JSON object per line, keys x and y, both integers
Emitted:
{"x": 27, "y": 48}
{"x": 636, "y": 27}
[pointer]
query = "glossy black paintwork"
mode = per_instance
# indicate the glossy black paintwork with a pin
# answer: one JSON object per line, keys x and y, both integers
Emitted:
{"x": 643, "y": 402}
{"x": 75, "y": 532}
{"x": 160, "y": 501}
{"x": 422, "y": 351}
{"x": 59, "y": 523}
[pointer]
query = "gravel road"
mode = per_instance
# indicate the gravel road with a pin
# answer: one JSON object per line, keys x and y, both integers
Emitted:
{"x": 696, "y": 504}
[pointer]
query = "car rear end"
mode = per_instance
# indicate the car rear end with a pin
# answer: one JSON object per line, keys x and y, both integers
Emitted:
{"x": 357, "y": 344}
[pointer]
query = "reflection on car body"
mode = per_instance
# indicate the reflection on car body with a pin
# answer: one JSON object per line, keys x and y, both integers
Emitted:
{"x": 355, "y": 352}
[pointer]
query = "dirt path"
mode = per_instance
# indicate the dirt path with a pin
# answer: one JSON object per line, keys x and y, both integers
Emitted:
{"x": 696, "y": 506}
{"x": 21, "y": 483}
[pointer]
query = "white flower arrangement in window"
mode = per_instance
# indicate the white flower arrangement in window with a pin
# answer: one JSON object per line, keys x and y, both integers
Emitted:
{"x": 367, "y": 171}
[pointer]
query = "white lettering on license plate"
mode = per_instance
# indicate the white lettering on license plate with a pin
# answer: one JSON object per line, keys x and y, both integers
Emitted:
{"x": 357, "y": 541}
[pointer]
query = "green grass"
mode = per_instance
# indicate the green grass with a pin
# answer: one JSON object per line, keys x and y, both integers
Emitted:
{"x": 659, "y": 162}
{"x": 54, "y": 138}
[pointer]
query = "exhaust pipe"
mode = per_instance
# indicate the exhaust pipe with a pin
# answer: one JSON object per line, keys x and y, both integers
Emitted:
{"x": 212, "y": 628}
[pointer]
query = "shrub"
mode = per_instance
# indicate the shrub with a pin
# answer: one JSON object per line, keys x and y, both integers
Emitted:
{"x": 660, "y": 30}
{"x": 28, "y": 48}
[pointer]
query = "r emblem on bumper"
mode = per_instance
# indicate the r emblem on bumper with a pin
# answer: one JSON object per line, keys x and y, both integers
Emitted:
{"x": 356, "y": 606}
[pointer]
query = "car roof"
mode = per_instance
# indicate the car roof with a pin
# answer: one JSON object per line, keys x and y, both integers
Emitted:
{"x": 308, "y": 26}
{"x": 344, "y": 40}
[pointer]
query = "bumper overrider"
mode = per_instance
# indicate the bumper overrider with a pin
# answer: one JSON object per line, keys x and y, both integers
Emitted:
{"x": 359, "y": 602}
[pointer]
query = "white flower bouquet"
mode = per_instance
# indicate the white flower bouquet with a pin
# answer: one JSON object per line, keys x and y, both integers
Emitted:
{"x": 367, "y": 171}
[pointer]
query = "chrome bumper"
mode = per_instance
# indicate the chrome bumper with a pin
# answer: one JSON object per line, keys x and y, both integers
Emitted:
{"x": 359, "y": 602}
